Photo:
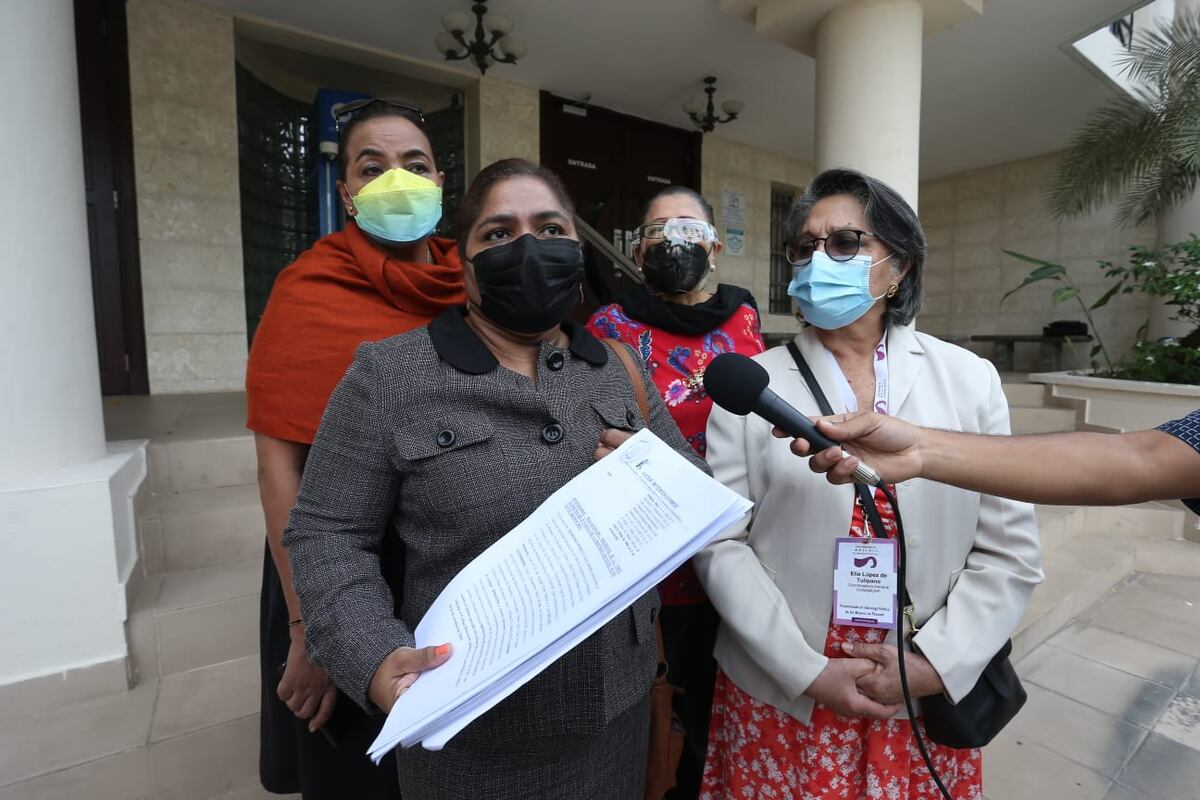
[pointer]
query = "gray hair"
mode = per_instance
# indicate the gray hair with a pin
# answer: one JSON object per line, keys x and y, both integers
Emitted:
{"x": 893, "y": 222}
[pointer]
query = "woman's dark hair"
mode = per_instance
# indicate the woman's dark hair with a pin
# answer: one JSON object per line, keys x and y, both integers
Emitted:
{"x": 670, "y": 191}
{"x": 376, "y": 110}
{"x": 505, "y": 169}
{"x": 891, "y": 219}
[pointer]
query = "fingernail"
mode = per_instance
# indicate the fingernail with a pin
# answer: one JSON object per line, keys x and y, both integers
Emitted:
{"x": 442, "y": 649}
{"x": 848, "y": 647}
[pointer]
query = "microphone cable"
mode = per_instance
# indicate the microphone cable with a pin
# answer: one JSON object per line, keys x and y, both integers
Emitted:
{"x": 866, "y": 497}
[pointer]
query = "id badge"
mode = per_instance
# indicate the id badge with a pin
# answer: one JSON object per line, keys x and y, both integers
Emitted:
{"x": 864, "y": 582}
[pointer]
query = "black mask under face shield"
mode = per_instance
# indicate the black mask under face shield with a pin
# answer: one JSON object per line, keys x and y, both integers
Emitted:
{"x": 676, "y": 259}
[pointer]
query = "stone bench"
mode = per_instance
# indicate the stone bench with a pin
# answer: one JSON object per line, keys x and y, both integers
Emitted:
{"x": 1050, "y": 355}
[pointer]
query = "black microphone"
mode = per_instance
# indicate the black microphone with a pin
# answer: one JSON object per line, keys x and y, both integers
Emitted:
{"x": 739, "y": 385}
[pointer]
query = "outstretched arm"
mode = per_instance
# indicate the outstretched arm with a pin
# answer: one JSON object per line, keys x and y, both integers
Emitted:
{"x": 1058, "y": 468}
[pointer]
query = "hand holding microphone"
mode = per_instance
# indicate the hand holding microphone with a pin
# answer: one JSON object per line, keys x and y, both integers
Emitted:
{"x": 739, "y": 385}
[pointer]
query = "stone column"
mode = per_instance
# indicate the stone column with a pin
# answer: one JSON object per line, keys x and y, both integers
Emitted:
{"x": 50, "y": 417}
{"x": 66, "y": 499}
{"x": 868, "y": 110}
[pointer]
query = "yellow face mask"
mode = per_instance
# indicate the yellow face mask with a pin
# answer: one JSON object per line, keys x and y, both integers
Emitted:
{"x": 399, "y": 207}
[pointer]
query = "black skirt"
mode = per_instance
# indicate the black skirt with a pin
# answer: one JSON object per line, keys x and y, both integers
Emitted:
{"x": 290, "y": 758}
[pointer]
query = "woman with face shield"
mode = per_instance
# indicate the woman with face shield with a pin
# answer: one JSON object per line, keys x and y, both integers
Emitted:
{"x": 442, "y": 440}
{"x": 385, "y": 273}
{"x": 678, "y": 327}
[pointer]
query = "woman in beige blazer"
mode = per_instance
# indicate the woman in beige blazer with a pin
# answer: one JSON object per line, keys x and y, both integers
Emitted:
{"x": 805, "y": 707}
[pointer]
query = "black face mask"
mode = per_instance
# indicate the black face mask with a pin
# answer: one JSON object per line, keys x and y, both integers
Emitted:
{"x": 674, "y": 268}
{"x": 529, "y": 284}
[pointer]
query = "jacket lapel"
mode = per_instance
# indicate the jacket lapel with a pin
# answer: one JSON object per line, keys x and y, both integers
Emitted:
{"x": 818, "y": 361}
{"x": 906, "y": 357}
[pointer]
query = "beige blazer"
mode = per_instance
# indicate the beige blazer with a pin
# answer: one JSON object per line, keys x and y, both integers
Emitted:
{"x": 973, "y": 560}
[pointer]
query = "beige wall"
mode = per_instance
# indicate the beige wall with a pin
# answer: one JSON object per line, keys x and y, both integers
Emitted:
{"x": 730, "y": 166}
{"x": 971, "y": 217}
{"x": 181, "y": 66}
{"x": 502, "y": 122}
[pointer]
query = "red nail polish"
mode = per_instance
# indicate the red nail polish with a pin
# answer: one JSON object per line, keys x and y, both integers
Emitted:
{"x": 442, "y": 649}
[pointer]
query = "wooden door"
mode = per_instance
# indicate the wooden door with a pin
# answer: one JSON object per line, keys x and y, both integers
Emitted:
{"x": 612, "y": 164}
{"x": 103, "y": 63}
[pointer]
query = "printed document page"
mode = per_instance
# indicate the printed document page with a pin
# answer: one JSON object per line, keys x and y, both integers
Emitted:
{"x": 587, "y": 553}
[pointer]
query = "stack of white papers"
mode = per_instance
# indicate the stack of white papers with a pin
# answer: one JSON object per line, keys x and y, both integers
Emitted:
{"x": 586, "y": 554}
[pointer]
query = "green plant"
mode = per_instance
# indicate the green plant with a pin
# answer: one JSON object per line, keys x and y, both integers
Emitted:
{"x": 1164, "y": 362}
{"x": 1171, "y": 273}
{"x": 1143, "y": 151}
{"x": 1048, "y": 271}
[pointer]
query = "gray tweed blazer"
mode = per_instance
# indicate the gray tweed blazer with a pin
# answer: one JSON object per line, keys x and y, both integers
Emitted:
{"x": 429, "y": 440}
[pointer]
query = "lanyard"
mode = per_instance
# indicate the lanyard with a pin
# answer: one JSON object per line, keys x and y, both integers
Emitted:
{"x": 881, "y": 379}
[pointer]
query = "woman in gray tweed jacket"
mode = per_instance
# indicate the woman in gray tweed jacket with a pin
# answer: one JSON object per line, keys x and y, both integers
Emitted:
{"x": 446, "y": 437}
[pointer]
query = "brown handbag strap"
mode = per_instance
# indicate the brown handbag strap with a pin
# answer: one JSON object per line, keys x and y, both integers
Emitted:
{"x": 635, "y": 377}
{"x": 639, "y": 393}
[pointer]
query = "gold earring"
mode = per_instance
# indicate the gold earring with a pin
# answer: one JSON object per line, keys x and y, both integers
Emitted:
{"x": 891, "y": 292}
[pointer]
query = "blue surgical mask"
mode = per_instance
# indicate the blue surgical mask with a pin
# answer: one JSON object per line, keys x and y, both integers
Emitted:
{"x": 399, "y": 207}
{"x": 833, "y": 294}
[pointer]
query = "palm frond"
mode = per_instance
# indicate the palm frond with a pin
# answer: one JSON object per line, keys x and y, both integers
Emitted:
{"x": 1116, "y": 143}
{"x": 1167, "y": 55}
{"x": 1157, "y": 189}
{"x": 1143, "y": 151}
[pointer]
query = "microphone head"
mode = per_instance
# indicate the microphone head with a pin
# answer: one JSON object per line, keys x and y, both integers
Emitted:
{"x": 735, "y": 382}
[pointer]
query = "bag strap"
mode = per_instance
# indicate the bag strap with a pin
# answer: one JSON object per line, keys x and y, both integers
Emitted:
{"x": 639, "y": 393}
{"x": 635, "y": 377}
{"x": 865, "y": 496}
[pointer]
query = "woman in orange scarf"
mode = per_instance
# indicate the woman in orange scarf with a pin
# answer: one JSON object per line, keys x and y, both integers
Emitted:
{"x": 381, "y": 276}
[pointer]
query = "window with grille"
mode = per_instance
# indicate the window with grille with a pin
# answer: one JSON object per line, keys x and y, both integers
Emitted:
{"x": 781, "y": 271}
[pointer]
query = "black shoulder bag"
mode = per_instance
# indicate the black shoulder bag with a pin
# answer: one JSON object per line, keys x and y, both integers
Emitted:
{"x": 996, "y": 697}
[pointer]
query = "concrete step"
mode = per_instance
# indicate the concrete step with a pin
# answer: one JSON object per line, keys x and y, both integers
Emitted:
{"x": 1041, "y": 420}
{"x": 191, "y": 619}
{"x": 1087, "y": 551}
{"x": 1025, "y": 394}
{"x": 202, "y": 528}
{"x": 1078, "y": 573}
{"x": 182, "y": 464}
{"x": 1058, "y": 524}
{"x": 219, "y": 762}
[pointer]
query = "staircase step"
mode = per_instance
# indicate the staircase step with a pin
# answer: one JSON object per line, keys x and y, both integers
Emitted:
{"x": 1058, "y": 524}
{"x": 201, "y": 698}
{"x": 217, "y": 762}
{"x": 191, "y": 619}
{"x": 1077, "y": 573}
{"x": 1041, "y": 420}
{"x": 1025, "y": 394}
{"x": 125, "y": 775}
{"x": 68, "y": 736}
{"x": 206, "y": 527}
{"x": 181, "y": 464}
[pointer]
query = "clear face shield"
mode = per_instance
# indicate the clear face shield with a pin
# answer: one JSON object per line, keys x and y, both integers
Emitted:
{"x": 676, "y": 231}
{"x": 674, "y": 255}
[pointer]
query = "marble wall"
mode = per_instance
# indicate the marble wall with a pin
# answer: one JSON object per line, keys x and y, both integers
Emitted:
{"x": 181, "y": 66}
{"x": 971, "y": 217}
{"x": 750, "y": 171}
{"x": 502, "y": 122}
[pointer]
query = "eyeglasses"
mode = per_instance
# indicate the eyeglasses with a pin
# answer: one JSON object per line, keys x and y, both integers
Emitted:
{"x": 840, "y": 245}
{"x": 344, "y": 112}
{"x": 678, "y": 229}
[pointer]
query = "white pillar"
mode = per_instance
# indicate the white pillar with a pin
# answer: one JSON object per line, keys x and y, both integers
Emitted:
{"x": 868, "y": 110}
{"x": 66, "y": 498}
{"x": 50, "y": 412}
{"x": 1175, "y": 226}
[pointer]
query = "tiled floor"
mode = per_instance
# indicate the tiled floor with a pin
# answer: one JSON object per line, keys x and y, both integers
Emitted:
{"x": 1114, "y": 703}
